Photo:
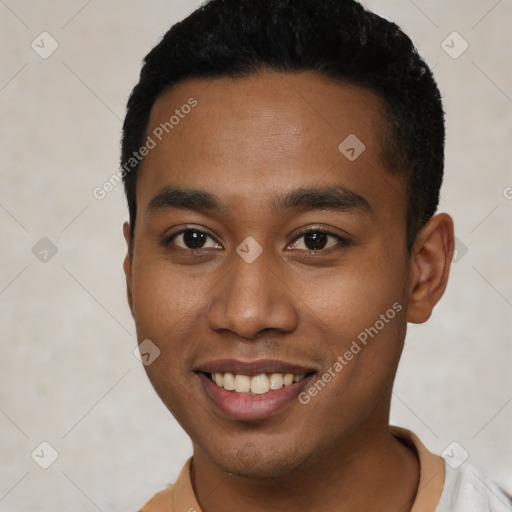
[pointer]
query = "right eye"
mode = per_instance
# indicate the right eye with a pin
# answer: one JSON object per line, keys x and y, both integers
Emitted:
{"x": 193, "y": 239}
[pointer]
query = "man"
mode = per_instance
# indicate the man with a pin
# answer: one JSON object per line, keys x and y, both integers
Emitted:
{"x": 282, "y": 163}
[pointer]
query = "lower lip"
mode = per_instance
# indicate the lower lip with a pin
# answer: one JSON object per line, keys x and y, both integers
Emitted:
{"x": 252, "y": 407}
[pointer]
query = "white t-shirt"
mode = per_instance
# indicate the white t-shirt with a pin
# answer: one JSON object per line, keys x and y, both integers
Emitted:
{"x": 465, "y": 489}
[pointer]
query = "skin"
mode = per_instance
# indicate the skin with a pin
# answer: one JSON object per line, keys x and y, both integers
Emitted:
{"x": 248, "y": 142}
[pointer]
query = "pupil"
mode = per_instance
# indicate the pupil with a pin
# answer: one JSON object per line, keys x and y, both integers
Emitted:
{"x": 315, "y": 241}
{"x": 193, "y": 239}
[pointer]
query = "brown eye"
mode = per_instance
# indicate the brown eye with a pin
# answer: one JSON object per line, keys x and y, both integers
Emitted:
{"x": 315, "y": 241}
{"x": 193, "y": 239}
{"x": 319, "y": 240}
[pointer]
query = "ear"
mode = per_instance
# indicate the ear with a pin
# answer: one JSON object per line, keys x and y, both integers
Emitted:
{"x": 128, "y": 264}
{"x": 430, "y": 266}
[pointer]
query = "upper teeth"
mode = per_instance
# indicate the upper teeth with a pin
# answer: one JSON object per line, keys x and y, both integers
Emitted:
{"x": 258, "y": 384}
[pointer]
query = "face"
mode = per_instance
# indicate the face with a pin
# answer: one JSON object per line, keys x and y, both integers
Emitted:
{"x": 263, "y": 249}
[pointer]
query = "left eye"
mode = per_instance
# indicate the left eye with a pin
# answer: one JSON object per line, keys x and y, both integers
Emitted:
{"x": 318, "y": 240}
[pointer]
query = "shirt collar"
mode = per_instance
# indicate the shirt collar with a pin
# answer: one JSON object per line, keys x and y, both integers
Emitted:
{"x": 431, "y": 481}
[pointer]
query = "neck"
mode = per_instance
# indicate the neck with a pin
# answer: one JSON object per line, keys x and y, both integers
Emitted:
{"x": 371, "y": 469}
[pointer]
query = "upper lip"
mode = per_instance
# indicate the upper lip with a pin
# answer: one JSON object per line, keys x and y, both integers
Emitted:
{"x": 254, "y": 367}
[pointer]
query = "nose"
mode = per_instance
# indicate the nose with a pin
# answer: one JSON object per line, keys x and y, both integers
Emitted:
{"x": 252, "y": 297}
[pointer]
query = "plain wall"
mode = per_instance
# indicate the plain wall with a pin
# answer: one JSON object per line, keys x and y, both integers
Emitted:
{"x": 68, "y": 373}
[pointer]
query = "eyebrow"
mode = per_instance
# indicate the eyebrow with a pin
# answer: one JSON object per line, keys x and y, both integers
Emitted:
{"x": 335, "y": 198}
{"x": 184, "y": 199}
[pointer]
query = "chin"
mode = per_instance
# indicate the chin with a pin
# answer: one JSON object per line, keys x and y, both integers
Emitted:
{"x": 251, "y": 460}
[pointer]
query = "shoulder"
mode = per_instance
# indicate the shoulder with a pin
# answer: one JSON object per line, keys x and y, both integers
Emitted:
{"x": 162, "y": 502}
{"x": 466, "y": 489}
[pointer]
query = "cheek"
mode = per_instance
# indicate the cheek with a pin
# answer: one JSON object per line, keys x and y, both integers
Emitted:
{"x": 167, "y": 306}
{"x": 359, "y": 369}
{"x": 353, "y": 297}
{"x": 357, "y": 315}
{"x": 362, "y": 338}
{"x": 163, "y": 297}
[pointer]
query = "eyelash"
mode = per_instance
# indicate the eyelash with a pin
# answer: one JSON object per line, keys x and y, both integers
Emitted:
{"x": 342, "y": 242}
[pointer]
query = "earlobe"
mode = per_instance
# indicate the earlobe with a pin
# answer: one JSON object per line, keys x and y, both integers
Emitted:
{"x": 128, "y": 265}
{"x": 430, "y": 267}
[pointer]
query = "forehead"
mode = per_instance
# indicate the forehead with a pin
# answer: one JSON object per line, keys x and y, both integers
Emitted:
{"x": 250, "y": 139}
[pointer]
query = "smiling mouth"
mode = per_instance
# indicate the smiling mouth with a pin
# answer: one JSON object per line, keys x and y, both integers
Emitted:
{"x": 255, "y": 385}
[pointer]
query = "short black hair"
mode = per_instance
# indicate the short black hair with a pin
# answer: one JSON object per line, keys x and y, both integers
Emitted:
{"x": 336, "y": 38}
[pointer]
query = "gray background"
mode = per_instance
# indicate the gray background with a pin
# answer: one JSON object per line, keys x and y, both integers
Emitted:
{"x": 68, "y": 374}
